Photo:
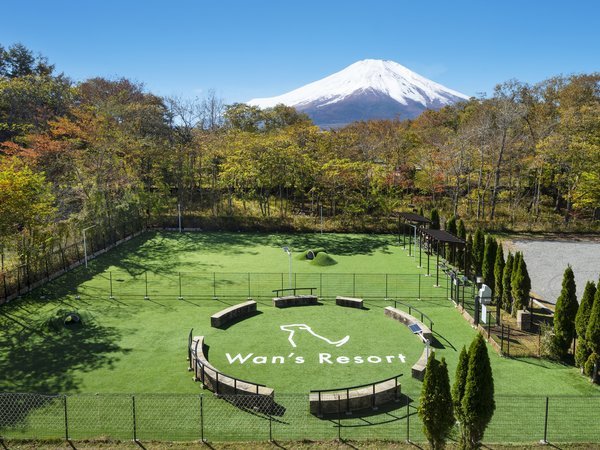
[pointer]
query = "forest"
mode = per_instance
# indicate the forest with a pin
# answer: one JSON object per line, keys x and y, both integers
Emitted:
{"x": 106, "y": 152}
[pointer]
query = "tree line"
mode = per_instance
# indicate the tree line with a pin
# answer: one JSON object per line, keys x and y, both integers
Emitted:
{"x": 106, "y": 150}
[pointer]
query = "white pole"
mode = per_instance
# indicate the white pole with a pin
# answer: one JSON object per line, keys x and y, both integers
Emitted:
{"x": 290, "y": 255}
{"x": 321, "y": 219}
{"x": 179, "y": 215}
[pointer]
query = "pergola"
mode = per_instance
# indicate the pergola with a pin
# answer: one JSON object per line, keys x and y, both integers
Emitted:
{"x": 414, "y": 220}
{"x": 437, "y": 237}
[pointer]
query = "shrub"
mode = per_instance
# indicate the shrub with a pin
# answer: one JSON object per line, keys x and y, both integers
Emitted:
{"x": 564, "y": 314}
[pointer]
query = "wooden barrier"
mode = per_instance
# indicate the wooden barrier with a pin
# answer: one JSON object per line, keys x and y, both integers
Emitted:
{"x": 232, "y": 313}
{"x": 218, "y": 382}
{"x": 294, "y": 300}
{"x": 408, "y": 320}
{"x": 349, "y": 302}
{"x": 355, "y": 398}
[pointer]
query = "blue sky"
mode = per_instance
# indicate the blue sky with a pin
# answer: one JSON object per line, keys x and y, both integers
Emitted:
{"x": 247, "y": 49}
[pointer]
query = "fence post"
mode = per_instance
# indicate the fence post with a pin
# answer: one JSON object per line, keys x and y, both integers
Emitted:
{"x": 407, "y": 420}
{"x": 134, "y": 421}
{"x": 111, "y": 286}
{"x": 321, "y": 285}
{"x": 339, "y": 419}
{"x": 545, "y": 441}
{"x": 419, "y": 291}
{"x": 66, "y": 418}
{"x": 508, "y": 342}
{"x": 270, "y": 427}
{"x": 201, "y": 418}
{"x": 146, "y": 279}
{"x": 214, "y": 285}
{"x": 249, "y": 296}
{"x": 386, "y": 285}
{"x": 353, "y": 285}
{"x": 180, "y": 294}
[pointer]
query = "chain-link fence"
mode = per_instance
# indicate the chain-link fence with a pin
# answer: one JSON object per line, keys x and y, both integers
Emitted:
{"x": 181, "y": 285}
{"x": 518, "y": 419}
{"x": 62, "y": 258}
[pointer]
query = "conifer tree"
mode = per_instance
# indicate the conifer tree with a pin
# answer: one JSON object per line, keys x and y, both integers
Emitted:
{"x": 582, "y": 319}
{"x": 458, "y": 390}
{"x": 435, "y": 405}
{"x": 435, "y": 219}
{"x": 478, "y": 403}
{"x": 498, "y": 273}
{"x": 489, "y": 258}
{"x": 461, "y": 232}
{"x": 506, "y": 283}
{"x": 565, "y": 313}
{"x": 592, "y": 337}
{"x": 469, "y": 251}
{"x": 451, "y": 228}
{"x": 520, "y": 284}
{"x": 478, "y": 250}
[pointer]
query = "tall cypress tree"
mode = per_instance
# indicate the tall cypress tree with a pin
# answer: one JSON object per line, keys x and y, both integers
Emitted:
{"x": 489, "y": 257}
{"x": 565, "y": 313}
{"x": 478, "y": 403}
{"x": 458, "y": 390}
{"x": 451, "y": 228}
{"x": 592, "y": 337}
{"x": 520, "y": 284}
{"x": 435, "y": 405}
{"x": 461, "y": 232}
{"x": 506, "y": 286}
{"x": 581, "y": 322}
{"x": 478, "y": 250}
{"x": 435, "y": 219}
{"x": 498, "y": 273}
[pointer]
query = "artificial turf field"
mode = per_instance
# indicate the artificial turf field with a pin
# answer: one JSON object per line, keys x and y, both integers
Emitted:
{"x": 137, "y": 346}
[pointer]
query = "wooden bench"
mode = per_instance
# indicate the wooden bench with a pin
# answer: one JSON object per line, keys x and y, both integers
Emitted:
{"x": 232, "y": 313}
{"x": 294, "y": 300}
{"x": 418, "y": 369}
{"x": 218, "y": 382}
{"x": 349, "y": 302}
{"x": 373, "y": 396}
{"x": 408, "y": 320}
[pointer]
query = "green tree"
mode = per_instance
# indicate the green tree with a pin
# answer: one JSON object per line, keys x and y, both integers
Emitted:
{"x": 435, "y": 405}
{"x": 458, "y": 389}
{"x": 506, "y": 283}
{"x": 478, "y": 251}
{"x": 581, "y": 322}
{"x": 461, "y": 232}
{"x": 592, "y": 337}
{"x": 498, "y": 273}
{"x": 478, "y": 403}
{"x": 565, "y": 313}
{"x": 435, "y": 219}
{"x": 489, "y": 258}
{"x": 520, "y": 284}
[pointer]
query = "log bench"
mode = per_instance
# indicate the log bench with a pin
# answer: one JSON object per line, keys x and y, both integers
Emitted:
{"x": 294, "y": 300}
{"x": 349, "y": 302}
{"x": 349, "y": 400}
{"x": 232, "y": 313}
{"x": 218, "y": 382}
{"x": 408, "y": 320}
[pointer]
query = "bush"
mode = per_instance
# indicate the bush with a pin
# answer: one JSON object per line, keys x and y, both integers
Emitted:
{"x": 323, "y": 259}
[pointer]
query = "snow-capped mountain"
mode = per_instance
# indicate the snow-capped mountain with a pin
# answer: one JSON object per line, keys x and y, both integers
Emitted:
{"x": 367, "y": 89}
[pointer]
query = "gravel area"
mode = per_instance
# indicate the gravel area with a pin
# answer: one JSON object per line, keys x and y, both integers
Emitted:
{"x": 547, "y": 260}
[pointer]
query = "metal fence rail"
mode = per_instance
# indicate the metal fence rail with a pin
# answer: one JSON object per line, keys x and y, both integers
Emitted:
{"x": 517, "y": 419}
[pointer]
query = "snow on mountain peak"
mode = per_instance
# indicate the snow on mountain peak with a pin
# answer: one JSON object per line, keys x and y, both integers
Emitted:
{"x": 380, "y": 77}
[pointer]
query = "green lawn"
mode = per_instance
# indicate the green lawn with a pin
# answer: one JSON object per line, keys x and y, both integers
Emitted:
{"x": 137, "y": 346}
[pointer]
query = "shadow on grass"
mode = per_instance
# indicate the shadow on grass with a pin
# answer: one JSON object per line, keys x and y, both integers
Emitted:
{"x": 388, "y": 413}
{"x": 34, "y": 360}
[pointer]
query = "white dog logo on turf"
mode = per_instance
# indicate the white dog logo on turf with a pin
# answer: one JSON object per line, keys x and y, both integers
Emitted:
{"x": 302, "y": 326}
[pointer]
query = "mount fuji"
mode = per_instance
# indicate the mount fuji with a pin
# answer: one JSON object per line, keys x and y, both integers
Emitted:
{"x": 368, "y": 89}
